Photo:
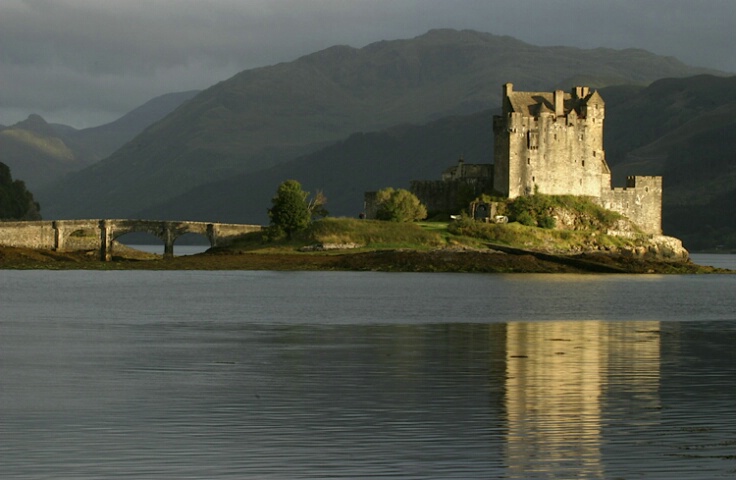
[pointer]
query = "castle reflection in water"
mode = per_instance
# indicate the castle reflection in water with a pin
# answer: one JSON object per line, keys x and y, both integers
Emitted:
{"x": 564, "y": 385}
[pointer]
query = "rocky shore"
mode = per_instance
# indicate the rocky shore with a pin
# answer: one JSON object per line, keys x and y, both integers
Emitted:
{"x": 440, "y": 260}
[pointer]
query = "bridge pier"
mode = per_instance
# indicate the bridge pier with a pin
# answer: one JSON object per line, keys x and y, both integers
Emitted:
{"x": 106, "y": 240}
{"x": 58, "y": 236}
{"x": 168, "y": 238}
{"x": 212, "y": 235}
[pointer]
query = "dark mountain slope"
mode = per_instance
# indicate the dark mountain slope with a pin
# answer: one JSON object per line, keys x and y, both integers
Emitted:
{"x": 99, "y": 142}
{"x": 265, "y": 116}
{"x": 42, "y": 153}
{"x": 343, "y": 171}
{"x": 683, "y": 129}
{"x": 35, "y": 153}
{"x": 695, "y": 155}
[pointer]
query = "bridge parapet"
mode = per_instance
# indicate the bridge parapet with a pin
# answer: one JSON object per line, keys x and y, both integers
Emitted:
{"x": 64, "y": 235}
{"x": 35, "y": 234}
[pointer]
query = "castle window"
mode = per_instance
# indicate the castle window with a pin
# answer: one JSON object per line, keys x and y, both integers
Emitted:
{"x": 528, "y": 161}
{"x": 583, "y": 162}
{"x": 594, "y": 153}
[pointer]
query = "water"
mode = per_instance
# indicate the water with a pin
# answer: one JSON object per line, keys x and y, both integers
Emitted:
{"x": 715, "y": 260}
{"x": 276, "y": 375}
{"x": 179, "y": 250}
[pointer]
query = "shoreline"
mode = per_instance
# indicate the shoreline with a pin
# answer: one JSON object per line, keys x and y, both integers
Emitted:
{"x": 398, "y": 260}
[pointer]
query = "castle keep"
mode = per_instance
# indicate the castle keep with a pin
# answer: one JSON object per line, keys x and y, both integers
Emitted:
{"x": 552, "y": 143}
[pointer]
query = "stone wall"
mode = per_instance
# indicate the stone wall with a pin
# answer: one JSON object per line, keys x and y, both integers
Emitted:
{"x": 640, "y": 201}
{"x": 553, "y": 146}
{"x": 68, "y": 235}
{"x": 40, "y": 235}
{"x": 370, "y": 206}
{"x": 450, "y": 196}
{"x": 552, "y": 143}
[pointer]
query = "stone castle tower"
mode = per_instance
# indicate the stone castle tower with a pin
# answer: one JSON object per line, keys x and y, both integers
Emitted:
{"x": 552, "y": 143}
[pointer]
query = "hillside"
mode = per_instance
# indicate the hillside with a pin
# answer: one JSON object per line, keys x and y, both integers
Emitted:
{"x": 36, "y": 154}
{"x": 100, "y": 142}
{"x": 682, "y": 129}
{"x": 41, "y": 153}
{"x": 266, "y": 116}
{"x": 701, "y": 159}
{"x": 344, "y": 170}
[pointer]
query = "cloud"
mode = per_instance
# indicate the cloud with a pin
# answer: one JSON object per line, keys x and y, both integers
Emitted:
{"x": 86, "y": 61}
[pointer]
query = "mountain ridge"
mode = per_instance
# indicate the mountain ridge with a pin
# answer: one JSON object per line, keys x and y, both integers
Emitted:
{"x": 265, "y": 116}
{"x": 41, "y": 153}
{"x": 395, "y": 156}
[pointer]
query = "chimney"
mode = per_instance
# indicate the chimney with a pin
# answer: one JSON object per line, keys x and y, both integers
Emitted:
{"x": 508, "y": 88}
{"x": 581, "y": 92}
{"x": 559, "y": 103}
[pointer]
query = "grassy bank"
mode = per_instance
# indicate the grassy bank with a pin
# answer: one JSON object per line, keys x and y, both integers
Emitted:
{"x": 365, "y": 245}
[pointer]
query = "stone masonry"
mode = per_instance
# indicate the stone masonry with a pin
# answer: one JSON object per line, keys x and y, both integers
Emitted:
{"x": 552, "y": 143}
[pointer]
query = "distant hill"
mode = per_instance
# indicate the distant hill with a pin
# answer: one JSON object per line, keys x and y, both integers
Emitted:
{"x": 40, "y": 153}
{"x": 100, "y": 142}
{"x": 682, "y": 129}
{"x": 36, "y": 154}
{"x": 343, "y": 171}
{"x": 694, "y": 151}
{"x": 266, "y": 116}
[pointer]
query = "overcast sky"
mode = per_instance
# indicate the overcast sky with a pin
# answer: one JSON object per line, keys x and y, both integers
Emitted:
{"x": 87, "y": 62}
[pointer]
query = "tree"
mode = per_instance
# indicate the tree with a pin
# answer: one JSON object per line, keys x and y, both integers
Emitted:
{"x": 291, "y": 211}
{"x": 316, "y": 205}
{"x": 399, "y": 206}
{"x": 16, "y": 202}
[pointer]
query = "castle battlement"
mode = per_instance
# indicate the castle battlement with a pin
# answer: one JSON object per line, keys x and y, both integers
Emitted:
{"x": 552, "y": 143}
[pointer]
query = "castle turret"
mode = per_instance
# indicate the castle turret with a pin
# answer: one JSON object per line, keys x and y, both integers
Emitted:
{"x": 559, "y": 99}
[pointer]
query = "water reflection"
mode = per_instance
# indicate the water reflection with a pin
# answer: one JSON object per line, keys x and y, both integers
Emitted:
{"x": 557, "y": 378}
{"x": 264, "y": 375}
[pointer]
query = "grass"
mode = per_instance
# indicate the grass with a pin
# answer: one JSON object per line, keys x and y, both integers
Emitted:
{"x": 362, "y": 234}
{"x": 369, "y": 235}
{"x": 463, "y": 246}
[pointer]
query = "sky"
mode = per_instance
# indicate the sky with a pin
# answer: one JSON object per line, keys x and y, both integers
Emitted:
{"x": 88, "y": 62}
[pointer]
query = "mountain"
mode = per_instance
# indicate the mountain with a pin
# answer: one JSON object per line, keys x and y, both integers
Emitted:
{"x": 266, "y": 116}
{"x": 682, "y": 129}
{"x": 41, "y": 153}
{"x": 100, "y": 142}
{"x": 677, "y": 128}
{"x": 36, "y": 154}
{"x": 343, "y": 171}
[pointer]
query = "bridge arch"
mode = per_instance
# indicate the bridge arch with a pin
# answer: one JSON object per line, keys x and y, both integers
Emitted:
{"x": 63, "y": 235}
{"x": 167, "y": 232}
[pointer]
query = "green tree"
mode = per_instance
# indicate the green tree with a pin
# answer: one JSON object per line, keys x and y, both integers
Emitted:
{"x": 16, "y": 202}
{"x": 399, "y": 206}
{"x": 292, "y": 211}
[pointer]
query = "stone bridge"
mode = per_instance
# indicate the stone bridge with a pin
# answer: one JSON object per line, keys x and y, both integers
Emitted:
{"x": 69, "y": 235}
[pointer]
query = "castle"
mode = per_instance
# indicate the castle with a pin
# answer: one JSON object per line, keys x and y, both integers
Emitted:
{"x": 550, "y": 143}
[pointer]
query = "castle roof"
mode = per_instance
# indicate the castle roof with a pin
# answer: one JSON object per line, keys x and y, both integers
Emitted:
{"x": 529, "y": 103}
{"x": 532, "y": 104}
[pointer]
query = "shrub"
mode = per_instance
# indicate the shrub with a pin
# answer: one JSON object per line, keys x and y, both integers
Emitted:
{"x": 547, "y": 221}
{"x": 399, "y": 206}
{"x": 526, "y": 218}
